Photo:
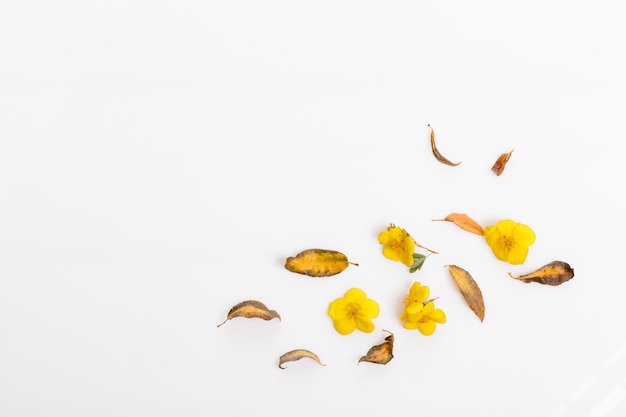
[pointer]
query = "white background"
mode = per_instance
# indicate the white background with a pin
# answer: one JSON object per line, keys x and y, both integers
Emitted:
{"x": 159, "y": 160}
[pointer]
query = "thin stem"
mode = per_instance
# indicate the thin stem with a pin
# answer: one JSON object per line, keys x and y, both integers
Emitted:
{"x": 424, "y": 247}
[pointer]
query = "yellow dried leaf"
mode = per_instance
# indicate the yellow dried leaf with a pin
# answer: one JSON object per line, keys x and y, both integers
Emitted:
{"x": 464, "y": 222}
{"x": 554, "y": 273}
{"x": 469, "y": 289}
{"x": 296, "y": 355}
{"x": 251, "y": 309}
{"x": 382, "y": 353}
{"x": 318, "y": 263}
{"x": 436, "y": 152}
{"x": 500, "y": 163}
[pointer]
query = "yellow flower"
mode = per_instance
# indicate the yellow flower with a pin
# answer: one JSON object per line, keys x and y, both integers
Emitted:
{"x": 398, "y": 245}
{"x": 353, "y": 311}
{"x": 419, "y": 313}
{"x": 509, "y": 241}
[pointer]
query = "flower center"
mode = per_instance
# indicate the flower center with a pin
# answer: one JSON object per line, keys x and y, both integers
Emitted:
{"x": 354, "y": 309}
{"x": 408, "y": 301}
{"x": 508, "y": 242}
{"x": 396, "y": 244}
{"x": 424, "y": 318}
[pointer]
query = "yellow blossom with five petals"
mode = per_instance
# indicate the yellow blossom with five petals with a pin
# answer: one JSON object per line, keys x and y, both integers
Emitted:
{"x": 509, "y": 241}
{"x": 398, "y": 245}
{"x": 353, "y": 311}
{"x": 419, "y": 313}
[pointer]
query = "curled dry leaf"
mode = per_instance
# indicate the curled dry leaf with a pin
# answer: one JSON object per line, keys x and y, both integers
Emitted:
{"x": 554, "y": 273}
{"x": 469, "y": 289}
{"x": 500, "y": 163}
{"x": 251, "y": 309}
{"x": 382, "y": 353}
{"x": 296, "y": 355}
{"x": 436, "y": 152}
{"x": 464, "y": 222}
{"x": 318, "y": 263}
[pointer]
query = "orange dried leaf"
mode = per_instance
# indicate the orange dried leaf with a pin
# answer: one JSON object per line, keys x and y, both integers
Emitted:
{"x": 436, "y": 152}
{"x": 469, "y": 289}
{"x": 554, "y": 273}
{"x": 500, "y": 163}
{"x": 382, "y": 353}
{"x": 318, "y": 262}
{"x": 464, "y": 222}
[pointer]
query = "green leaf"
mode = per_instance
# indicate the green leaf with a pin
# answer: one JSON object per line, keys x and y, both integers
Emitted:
{"x": 418, "y": 262}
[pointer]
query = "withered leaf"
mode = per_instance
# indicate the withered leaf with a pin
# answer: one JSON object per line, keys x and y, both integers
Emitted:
{"x": 318, "y": 262}
{"x": 296, "y": 355}
{"x": 554, "y": 273}
{"x": 469, "y": 289}
{"x": 251, "y": 309}
{"x": 436, "y": 152}
{"x": 500, "y": 163}
{"x": 464, "y": 222}
{"x": 382, "y": 353}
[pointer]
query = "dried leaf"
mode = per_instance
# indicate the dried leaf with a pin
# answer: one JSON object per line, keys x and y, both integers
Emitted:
{"x": 436, "y": 152}
{"x": 500, "y": 163}
{"x": 251, "y": 309}
{"x": 382, "y": 353}
{"x": 296, "y": 355}
{"x": 554, "y": 273}
{"x": 469, "y": 289}
{"x": 464, "y": 222}
{"x": 318, "y": 263}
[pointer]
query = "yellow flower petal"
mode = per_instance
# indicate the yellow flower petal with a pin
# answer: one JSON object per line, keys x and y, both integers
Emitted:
{"x": 370, "y": 308}
{"x": 518, "y": 256}
{"x": 413, "y": 312}
{"x": 410, "y": 325}
{"x": 407, "y": 259}
{"x": 492, "y": 235}
{"x": 414, "y": 308}
{"x": 419, "y": 293}
{"x": 345, "y": 326}
{"x": 355, "y": 295}
{"x": 385, "y": 237}
{"x": 337, "y": 309}
{"x": 391, "y": 253}
{"x": 501, "y": 252}
{"x": 524, "y": 235}
{"x": 408, "y": 247}
{"x": 413, "y": 316}
{"x": 506, "y": 226}
{"x": 364, "y": 324}
{"x": 438, "y": 316}
{"x": 427, "y": 328}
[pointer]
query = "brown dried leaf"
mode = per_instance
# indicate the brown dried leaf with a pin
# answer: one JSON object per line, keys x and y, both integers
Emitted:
{"x": 251, "y": 309}
{"x": 296, "y": 355}
{"x": 554, "y": 273}
{"x": 382, "y": 353}
{"x": 318, "y": 263}
{"x": 469, "y": 289}
{"x": 500, "y": 163}
{"x": 436, "y": 152}
{"x": 464, "y": 222}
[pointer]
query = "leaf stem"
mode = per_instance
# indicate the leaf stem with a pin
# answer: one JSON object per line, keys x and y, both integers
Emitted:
{"x": 424, "y": 247}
